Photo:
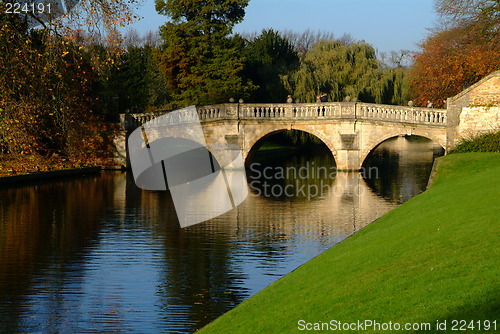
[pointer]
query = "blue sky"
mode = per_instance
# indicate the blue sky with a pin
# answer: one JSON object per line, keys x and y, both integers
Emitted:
{"x": 386, "y": 24}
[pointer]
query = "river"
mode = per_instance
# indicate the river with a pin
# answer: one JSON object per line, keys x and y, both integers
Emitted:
{"x": 97, "y": 254}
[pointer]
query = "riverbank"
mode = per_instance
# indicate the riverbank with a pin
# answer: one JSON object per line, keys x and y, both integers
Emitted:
{"x": 434, "y": 258}
{"x": 33, "y": 177}
{"x": 26, "y": 168}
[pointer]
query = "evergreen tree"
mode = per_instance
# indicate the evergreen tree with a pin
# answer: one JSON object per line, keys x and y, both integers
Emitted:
{"x": 201, "y": 62}
{"x": 270, "y": 57}
{"x": 133, "y": 83}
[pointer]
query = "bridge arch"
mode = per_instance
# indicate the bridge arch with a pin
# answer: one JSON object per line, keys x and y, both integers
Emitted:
{"x": 253, "y": 144}
{"x": 155, "y": 159}
{"x": 373, "y": 144}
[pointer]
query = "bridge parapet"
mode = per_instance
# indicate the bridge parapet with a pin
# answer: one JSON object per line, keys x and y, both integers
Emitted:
{"x": 304, "y": 111}
{"x": 402, "y": 114}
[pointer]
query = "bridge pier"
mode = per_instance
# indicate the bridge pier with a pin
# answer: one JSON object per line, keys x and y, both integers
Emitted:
{"x": 120, "y": 157}
{"x": 348, "y": 160}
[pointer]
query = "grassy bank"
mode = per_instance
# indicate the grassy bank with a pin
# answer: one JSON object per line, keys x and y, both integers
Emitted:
{"x": 433, "y": 258}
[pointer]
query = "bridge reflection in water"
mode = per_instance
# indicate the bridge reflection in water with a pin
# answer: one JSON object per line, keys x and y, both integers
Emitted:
{"x": 98, "y": 254}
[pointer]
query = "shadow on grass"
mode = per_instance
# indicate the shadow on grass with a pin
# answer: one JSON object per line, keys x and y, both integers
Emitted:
{"x": 471, "y": 317}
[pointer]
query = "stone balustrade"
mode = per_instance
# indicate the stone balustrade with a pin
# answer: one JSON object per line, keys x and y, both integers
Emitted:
{"x": 402, "y": 114}
{"x": 305, "y": 111}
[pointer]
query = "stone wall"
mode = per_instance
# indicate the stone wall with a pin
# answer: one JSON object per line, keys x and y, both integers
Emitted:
{"x": 474, "y": 111}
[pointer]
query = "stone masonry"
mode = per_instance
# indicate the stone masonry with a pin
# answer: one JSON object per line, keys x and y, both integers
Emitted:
{"x": 350, "y": 130}
{"x": 474, "y": 111}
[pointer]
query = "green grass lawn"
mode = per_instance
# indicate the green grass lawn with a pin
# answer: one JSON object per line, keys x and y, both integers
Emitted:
{"x": 436, "y": 257}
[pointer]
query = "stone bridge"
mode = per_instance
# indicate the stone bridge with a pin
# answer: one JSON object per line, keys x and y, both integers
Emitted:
{"x": 350, "y": 130}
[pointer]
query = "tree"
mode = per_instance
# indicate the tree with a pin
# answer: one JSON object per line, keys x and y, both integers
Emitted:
{"x": 481, "y": 16}
{"x": 458, "y": 54}
{"x": 131, "y": 82}
{"x": 304, "y": 41}
{"x": 270, "y": 57}
{"x": 339, "y": 70}
{"x": 46, "y": 100}
{"x": 395, "y": 68}
{"x": 201, "y": 62}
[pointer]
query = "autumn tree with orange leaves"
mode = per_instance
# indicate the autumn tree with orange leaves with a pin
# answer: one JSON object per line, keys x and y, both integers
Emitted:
{"x": 47, "y": 104}
{"x": 462, "y": 51}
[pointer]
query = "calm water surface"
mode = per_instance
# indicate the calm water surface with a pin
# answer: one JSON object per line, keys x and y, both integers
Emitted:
{"x": 97, "y": 254}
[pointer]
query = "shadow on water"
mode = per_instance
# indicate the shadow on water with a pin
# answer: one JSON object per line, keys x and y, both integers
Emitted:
{"x": 302, "y": 174}
{"x": 403, "y": 167}
{"x": 44, "y": 230}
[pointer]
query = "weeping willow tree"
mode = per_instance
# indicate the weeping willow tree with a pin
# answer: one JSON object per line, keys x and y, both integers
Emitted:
{"x": 295, "y": 138}
{"x": 298, "y": 137}
{"x": 396, "y": 85}
{"x": 339, "y": 70}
